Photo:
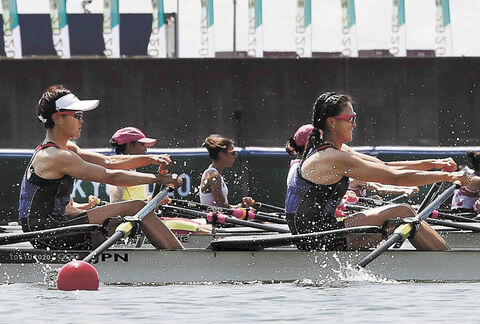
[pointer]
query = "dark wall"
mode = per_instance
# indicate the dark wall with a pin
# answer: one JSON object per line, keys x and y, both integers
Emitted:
{"x": 258, "y": 102}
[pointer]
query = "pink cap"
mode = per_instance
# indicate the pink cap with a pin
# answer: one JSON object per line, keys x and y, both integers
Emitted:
{"x": 302, "y": 134}
{"x": 132, "y": 134}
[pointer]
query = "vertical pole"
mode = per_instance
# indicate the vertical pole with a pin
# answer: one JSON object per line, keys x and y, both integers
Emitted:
{"x": 234, "y": 28}
{"x": 177, "y": 32}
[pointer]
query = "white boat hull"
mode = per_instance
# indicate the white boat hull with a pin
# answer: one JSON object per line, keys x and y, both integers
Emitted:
{"x": 147, "y": 266}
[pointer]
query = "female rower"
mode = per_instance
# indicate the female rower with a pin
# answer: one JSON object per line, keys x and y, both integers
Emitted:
{"x": 48, "y": 179}
{"x": 132, "y": 141}
{"x": 465, "y": 199}
{"x": 322, "y": 179}
{"x": 213, "y": 190}
{"x": 295, "y": 147}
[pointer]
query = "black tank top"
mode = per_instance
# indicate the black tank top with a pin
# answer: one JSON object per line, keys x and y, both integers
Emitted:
{"x": 43, "y": 198}
{"x": 311, "y": 207}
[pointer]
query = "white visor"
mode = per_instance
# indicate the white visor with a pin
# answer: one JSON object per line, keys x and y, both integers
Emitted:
{"x": 71, "y": 102}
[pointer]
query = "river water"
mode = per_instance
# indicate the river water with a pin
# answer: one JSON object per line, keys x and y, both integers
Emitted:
{"x": 359, "y": 299}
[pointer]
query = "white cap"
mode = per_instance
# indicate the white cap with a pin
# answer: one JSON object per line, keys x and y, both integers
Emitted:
{"x": 71, "y": 102}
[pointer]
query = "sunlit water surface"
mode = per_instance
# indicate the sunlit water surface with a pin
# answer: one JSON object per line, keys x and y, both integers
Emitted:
{"x": 354, "y": 299}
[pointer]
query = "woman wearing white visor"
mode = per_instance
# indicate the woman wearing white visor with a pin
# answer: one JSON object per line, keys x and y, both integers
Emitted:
{"x": 48, "y": 180}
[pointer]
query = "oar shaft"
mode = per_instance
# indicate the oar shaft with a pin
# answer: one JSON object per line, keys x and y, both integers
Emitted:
{"x": 153, "y": 203}
{"x": 396, "y": 237}
{"x": 226, "y": 219}
{"x": 269, "y": 218}
{"x": 105, "y": 245}
{"x": 436, "y": 203}
{"x": 267, "y": 206}
{"x": 464, "y": 226}
{"x": 252, "y": 243}
{"x": 265, "y": 227}
{"x": 50, "y": 233}
{"x": 431, "y": 192}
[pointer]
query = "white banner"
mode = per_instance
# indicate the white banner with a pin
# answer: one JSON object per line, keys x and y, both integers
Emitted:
{"x": 303, "y": 29}
{"x": 255, "y": 28}
{"x": 207, "y": 31}
{"x": 398, "y": 40}
{"x": 349, "y": 29}
{"x": 111, "y": 28}
{"x": 60, "y": 34}
{"x": 11, "y": 29}
{"x": 157, "y": 46}
{"x": 443, "y": 31}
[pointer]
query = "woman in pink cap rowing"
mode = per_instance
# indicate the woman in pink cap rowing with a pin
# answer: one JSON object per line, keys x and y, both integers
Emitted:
{"x": 131, "y": 141}
{"x": 48, "y": 180}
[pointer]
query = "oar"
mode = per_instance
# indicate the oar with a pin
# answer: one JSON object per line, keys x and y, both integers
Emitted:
{"x": 393, "y": 200}
{"x": 269, "y": 207}
{"x": 49, "y": 233}
{"x": 87, "y": 278}
{"x": 430, "y": 194}
{"x": 253, "y": 243}
{"x": 240, "y": 213}
{"x": 403, "y": 231}
{"x": 451, "y": 224}
{"x": 454, "y": 217}
{"x": 222, "y": 219}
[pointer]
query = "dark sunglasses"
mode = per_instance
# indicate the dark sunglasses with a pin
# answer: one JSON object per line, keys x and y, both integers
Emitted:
{"x": 351, "y": 118}
{"x": 75, "y": 114}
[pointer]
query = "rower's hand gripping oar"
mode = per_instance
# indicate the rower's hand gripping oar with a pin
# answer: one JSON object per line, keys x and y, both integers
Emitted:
{"x": 405, "y": 230}
{"x": 80, "y": 275}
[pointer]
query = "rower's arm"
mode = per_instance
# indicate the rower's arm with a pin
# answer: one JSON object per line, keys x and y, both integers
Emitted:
{"x": 122, "y": 162}
{"x": 447, "y": 164}
{"x": 330, "y": 168}
{"x": 71, "y": 164}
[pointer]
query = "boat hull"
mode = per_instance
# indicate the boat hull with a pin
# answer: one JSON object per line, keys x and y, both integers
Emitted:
{"x": 148, "y": 266}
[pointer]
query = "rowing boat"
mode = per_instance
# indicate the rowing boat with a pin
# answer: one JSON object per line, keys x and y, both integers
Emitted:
{"x": 150, "y": 266}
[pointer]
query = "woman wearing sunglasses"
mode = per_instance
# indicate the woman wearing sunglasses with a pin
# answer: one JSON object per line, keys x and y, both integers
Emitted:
{"x": 48, "y": 180}
{"x": 322, "y": 178}
{"x": 213, "y": 190}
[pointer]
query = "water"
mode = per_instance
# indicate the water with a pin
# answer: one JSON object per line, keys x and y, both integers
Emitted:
{"x": 343, "y": 300}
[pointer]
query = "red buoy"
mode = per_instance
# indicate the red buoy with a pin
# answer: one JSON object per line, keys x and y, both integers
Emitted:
{"x": 78, "y": 275}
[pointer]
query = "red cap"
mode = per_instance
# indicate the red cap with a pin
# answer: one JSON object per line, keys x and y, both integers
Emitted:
{"x": 302, "y": 134}
{"x": 132, "y": 134}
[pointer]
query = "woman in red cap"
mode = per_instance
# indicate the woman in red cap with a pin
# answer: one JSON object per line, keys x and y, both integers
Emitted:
{"x": 48, "y": 180}
{"x": 129, "y": 141}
